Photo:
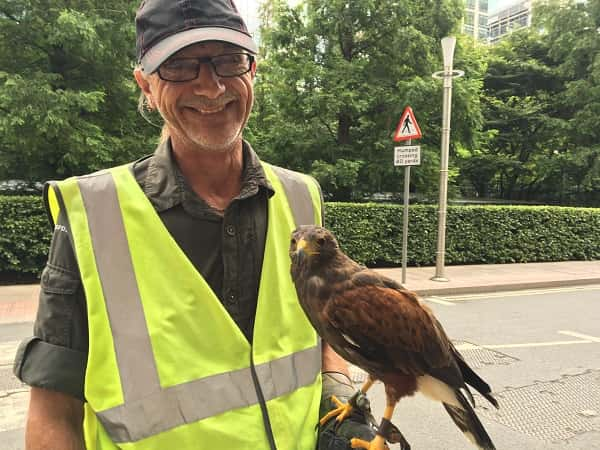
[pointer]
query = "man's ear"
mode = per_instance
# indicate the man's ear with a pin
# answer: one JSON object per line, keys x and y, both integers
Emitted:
{"x": 253, "y": 69}
{"x": 142, "y": 82}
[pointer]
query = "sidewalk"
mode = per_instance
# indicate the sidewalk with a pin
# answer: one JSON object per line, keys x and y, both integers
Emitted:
{"x": 19, "y": 303}
{"x": 498, "y": 277}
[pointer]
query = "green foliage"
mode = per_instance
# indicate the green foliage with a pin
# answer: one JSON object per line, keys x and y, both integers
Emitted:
{"x": 372, "y": 233}
{"x": 541, "y": 107}
{"x": 24, "y": 236}
{"x": 335, "y": 76}
{"x": 67, "y": 94}
{"x": 338, "y": 179}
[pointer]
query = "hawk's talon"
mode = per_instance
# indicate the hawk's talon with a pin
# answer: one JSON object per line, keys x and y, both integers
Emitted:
{"x": 342, "y": 411}
{"x": 376, "y": 444}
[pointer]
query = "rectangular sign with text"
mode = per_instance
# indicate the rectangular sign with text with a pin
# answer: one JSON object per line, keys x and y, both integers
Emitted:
{"x": 407, "y": 155}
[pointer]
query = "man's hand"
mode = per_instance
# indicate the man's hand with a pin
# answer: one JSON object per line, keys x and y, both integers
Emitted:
{"x": 336, "y": 436}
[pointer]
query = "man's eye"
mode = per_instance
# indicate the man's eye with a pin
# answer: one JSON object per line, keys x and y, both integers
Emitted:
{"x": 178, "y": 64}
{"x": 231, "y": 59}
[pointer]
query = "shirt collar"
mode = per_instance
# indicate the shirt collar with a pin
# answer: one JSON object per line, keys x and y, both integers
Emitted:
{"x": 165, "y": 186}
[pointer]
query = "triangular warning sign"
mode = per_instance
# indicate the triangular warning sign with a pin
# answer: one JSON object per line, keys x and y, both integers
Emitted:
{"x": 407, "y": 128}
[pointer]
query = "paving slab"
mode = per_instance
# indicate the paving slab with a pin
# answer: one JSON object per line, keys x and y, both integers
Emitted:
{"x": 18, "y": 303}
{"x": 497, "y": 277}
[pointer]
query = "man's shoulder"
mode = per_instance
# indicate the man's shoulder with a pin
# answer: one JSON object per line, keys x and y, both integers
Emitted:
{"x": 285, "y": 173}
{"x": 132, "y": 164}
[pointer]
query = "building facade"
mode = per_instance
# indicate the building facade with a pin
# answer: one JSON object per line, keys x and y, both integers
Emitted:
{"x": 506, "y": 20}
{"x": 475, "y": 21}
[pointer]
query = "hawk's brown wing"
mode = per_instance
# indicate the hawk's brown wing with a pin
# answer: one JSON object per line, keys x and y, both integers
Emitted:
{"x": 382, "y": 328}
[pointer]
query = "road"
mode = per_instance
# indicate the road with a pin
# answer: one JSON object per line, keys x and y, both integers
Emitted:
{"x": 13, "y": 395}
{"x": 540, "y": 351}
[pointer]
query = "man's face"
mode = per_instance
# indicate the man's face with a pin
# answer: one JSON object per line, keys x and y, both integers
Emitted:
{"x": 208, "y": 113}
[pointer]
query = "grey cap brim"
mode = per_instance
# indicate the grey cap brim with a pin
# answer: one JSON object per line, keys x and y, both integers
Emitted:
{"x": 160, "y": 52}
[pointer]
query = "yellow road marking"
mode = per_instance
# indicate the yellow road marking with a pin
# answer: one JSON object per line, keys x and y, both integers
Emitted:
{"x": 585, "y": 337}
{"x": 439, "y": 301}
{"x": 536, "y": 344}
{"x": 527, "y": 292}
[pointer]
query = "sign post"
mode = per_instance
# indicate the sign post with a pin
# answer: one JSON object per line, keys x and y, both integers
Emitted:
{"x": 406, "y": 155}
{"x": 446, "y": 75}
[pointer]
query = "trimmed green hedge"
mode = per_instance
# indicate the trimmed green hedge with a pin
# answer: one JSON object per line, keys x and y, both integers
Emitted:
{"x": 24, "y": 237}
{"x": 372, "y": 233}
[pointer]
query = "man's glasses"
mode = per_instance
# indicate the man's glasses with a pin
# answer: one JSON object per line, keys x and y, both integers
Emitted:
{"x": 230, "y": 65}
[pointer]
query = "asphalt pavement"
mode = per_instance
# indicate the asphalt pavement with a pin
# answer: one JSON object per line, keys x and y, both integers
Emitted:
{"x": 18, "y": 305}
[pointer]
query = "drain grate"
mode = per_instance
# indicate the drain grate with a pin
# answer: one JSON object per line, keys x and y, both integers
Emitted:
{"x": 476, "y": 356}
{"x": 551, "y": 411}
{"x": 479, "y": 357}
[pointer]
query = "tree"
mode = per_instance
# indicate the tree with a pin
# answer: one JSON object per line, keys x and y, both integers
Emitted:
{"x": 67, "y": 95}
{"x": 541, "y": 103}
{"x": 334, "y": 78}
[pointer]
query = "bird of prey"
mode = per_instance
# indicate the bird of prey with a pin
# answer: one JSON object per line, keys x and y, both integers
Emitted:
{"x": 375, "y": 324}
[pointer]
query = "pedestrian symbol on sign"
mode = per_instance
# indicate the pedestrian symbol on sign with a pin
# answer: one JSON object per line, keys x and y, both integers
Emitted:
{"x": 407, "y": 128}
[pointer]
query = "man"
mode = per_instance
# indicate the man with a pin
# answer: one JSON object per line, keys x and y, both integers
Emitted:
{"x": 167, "y": 316}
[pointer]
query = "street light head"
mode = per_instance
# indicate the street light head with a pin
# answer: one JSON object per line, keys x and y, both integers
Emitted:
{"x": 448, "y": 44}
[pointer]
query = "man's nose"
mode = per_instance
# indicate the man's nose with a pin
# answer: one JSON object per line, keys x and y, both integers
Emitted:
{"x": 208, "y": 83}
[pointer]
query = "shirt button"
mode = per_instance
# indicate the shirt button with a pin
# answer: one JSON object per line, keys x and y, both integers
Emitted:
{"x": 230, "y": 230}
{"x": 231, "y": 298}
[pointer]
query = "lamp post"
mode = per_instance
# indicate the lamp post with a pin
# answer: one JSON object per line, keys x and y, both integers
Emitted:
{"x": 448, "y": 44}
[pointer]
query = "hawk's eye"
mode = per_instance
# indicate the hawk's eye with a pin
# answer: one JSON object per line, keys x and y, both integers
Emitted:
{"x": 293, "y": 241}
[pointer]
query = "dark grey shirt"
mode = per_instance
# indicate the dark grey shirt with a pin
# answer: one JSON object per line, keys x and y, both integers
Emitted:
{"x": 226, "y": 249}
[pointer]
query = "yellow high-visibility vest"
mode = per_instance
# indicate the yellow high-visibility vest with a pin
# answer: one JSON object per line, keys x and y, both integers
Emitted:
{"x": 168, "y": 368}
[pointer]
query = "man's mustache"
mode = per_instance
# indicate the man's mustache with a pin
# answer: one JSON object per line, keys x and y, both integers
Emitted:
{"x": 201, "y": 102}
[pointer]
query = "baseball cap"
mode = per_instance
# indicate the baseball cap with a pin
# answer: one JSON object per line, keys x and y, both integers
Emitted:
{"x": 163, "y": 27}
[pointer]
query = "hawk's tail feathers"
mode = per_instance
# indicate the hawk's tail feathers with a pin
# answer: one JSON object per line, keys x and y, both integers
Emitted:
{"x": 465, "y": 418}
{"x": 471, "y": 378}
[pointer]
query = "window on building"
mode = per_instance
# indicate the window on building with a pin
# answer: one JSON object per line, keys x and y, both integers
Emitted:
{"x": 469, "y": 18}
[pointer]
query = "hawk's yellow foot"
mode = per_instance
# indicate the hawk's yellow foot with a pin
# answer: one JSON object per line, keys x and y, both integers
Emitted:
{"x": 342, "y": 411}
{"x": 376, "y": 444}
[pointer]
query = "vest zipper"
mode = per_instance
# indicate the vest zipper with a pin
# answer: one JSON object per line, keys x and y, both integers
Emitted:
{"x": 263, "y": 405}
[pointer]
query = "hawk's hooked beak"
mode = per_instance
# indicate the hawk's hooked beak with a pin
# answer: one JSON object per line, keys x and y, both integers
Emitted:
{"x": 303, "y": 250}
{"x": 301, "y": 245}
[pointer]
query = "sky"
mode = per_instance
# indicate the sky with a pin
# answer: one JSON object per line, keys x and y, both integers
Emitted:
{"x": 495, "y": 5}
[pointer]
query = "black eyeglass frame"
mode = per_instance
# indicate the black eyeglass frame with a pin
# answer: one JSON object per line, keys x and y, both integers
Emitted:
{"x": 208, "y": 59}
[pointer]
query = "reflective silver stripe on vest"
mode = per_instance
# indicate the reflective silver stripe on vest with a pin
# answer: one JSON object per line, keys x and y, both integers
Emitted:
{"x": 149, "y": 409}
{"x": 207, "y": 397}
{"x": 133, "y": 348}
{"x": 298, "y": 196}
